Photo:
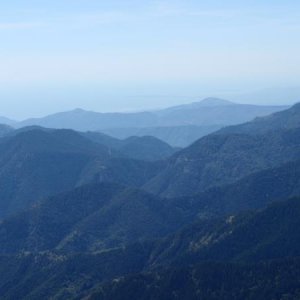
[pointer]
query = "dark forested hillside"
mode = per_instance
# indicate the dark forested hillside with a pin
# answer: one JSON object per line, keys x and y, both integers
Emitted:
{"x": 247, "y": 237}
{"x": 88, "y": 216}
{"x": 253, "y": 237}
{"x": 106, "y": 214}
{"x": 36, "y": 163}
{"x": 54, "y": 275}
{"x": 251, "y": 192}
{"x": 220, "y": 159}
{"x": 224, "y": 157}
{"x": 274, "y": 280}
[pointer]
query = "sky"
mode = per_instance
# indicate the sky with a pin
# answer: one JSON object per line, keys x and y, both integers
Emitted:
{"x": 132, "y": 55}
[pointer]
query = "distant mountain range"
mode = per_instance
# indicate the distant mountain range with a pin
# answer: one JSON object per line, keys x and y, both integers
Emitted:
{"x": 210, "y": 111}
{"x": 47, "y": 161}
{"x": 221, "y": 174}
{"x": 179, "y": 126}
{"x": 88, "y": 216}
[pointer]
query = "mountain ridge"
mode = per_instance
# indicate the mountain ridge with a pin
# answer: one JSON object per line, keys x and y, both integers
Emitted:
{"x": 212, "y": 160}
{"x": 38, "y": 162}
{"x": 83, "y": 120}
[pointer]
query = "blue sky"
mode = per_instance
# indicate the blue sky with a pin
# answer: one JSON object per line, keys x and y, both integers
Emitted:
{"x": 130, "y": 55}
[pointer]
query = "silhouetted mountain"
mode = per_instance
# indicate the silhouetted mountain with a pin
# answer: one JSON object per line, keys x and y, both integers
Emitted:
{"x": 176, "y": 136}
{"x": 208, "y": 112}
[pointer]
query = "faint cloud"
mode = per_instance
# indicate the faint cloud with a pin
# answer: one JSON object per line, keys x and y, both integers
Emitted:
{"x": 165, "y": 9}
{"x": 19, "y": 25}
{"x": 175, "y": 9}
{"x": 214, "y": 13}
{"x": 94, "y": 18}
{"x": 65, "y": 20}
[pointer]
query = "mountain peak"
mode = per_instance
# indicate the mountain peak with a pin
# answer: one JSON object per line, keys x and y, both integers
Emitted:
{"x": 215, "y": 102}
{"x": 78, "y": 110}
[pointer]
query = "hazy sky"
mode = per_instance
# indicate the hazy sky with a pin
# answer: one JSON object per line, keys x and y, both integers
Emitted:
{"x": 127, "y": 55}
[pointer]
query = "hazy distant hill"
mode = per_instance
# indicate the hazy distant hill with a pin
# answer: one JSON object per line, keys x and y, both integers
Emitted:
{"x": 7, "y": 121}
{"x": 179, "y": 126}
{"x": 208, "y": 112}
{"x": 82, "y": 120}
